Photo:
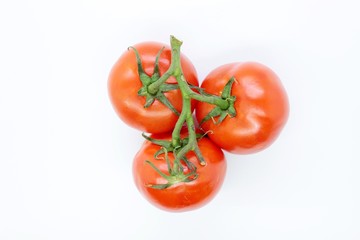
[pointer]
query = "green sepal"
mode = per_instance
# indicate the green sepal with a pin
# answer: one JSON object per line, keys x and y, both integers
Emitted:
{"x": 226, "y": 93}
{"x": 176, "y": 174}
{"x": 144, "y": 78}
{"x": 219, "y": 112}
{"x": 191, "y": 177}
{"x": 170, "y": 170}
{"x": 142, "y": 92}
{"x": 149, "y": 101}
{"x": 163, "y": 99}
{"x": 213, "y": 113}
{"x": 163, "y": 143}
{"x": 189, "y": 164}
{"x": 167, "y": 145}
{"x": 222, "y": 116}
{"x": 157, "y": 170}
{"x": 147, "y": 80}
{"x": 156, "y": 72}
{"x": 199, "y": 156}
{"x": 159, "y": 186}
{"x": 158, "y": 153}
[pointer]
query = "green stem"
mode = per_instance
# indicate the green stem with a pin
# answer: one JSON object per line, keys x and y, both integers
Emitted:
{"x": 176, "y": 140}
{"x": 213, "y": 99}
{"x": 157, "y": 170}
{"x": 174, "y": 68}
{"x": 222, "y": 103}
{"x": 176, "y": 172}
{"x": 186, "y": 113}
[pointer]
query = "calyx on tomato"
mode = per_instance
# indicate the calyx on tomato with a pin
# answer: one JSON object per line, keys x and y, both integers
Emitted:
{"x": 176, "y": 172}
{"x": 221, "y": 111}
{"x": 146, "y": 80}
{"x": 168, "y": 146}
{"x": 182, "y": 196}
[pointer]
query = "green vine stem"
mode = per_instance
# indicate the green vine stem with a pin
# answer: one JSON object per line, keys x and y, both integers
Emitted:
{"x": 223, "y": 103}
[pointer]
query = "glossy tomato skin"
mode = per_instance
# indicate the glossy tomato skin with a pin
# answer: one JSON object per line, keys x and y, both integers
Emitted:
{"x": 181, "y": 196}
{"x": 261, "y": 105}
{"x": 124, "y": 83}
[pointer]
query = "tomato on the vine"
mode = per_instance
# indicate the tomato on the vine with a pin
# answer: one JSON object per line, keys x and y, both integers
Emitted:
{"x": 261, "y": 106}
{"x": 185, "y": 195}
{"x": 124, "y": 84}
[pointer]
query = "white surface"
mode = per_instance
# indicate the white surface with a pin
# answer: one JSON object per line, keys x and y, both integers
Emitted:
{"x": 65, "y": 157}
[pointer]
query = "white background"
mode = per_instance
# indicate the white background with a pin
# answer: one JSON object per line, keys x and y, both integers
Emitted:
{"x": 65, "y": 157}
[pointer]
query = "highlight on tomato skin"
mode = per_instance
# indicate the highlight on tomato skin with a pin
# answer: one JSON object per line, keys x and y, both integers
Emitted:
{"x": 262, "y": 107}
{"x": 124, "y": 83}
{"x": 184, "y": 196}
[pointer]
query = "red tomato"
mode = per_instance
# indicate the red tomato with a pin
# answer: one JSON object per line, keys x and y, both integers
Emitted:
{"x": 261, "y": 107}
{"x": 183, "y": 196}
{"x": 124, "y": 83}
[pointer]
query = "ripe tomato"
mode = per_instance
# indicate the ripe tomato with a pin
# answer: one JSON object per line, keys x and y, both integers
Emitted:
{"x": 124, "y": 84}
{"x": 261, "y": 107}
{"x": 183, "y": 196}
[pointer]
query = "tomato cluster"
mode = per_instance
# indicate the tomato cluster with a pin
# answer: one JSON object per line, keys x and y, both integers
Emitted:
{"x": 240, "y": 108}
